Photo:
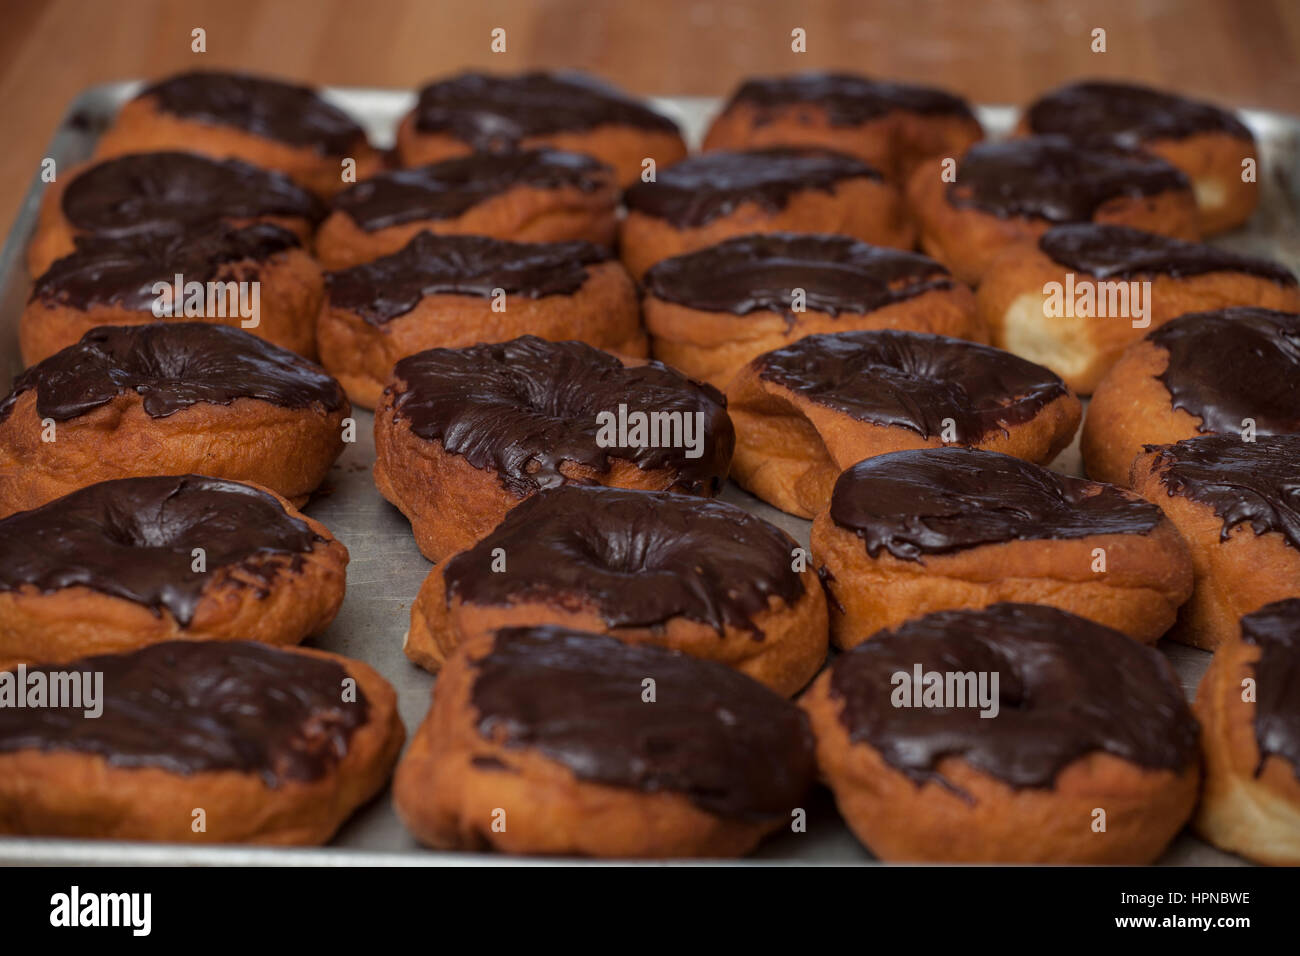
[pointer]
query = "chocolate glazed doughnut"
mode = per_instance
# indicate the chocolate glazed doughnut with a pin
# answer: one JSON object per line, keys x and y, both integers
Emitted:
{"x": 444, "y": 292}
{"x": 1096, "y": 268}
{"x": 892, "y": 126}
{"x": 267, "y": 122}
{"x": 705, "y": 199}
{"x": 114, "y": 566}
{"x": 538, "y": 195}
{"x": 1249, "y": 706}
{"x": 1207, "y": 143}
{"x": 806, "y": 412}
{"x": 161, "y": 192}
{"x": 1081, "y": 722}
{"x": 275, "y": 745}
{"x": 1231, "y": 371}
{"x": 464, "y": 435}
{"x": 115, "y": 281}
{"x": 1237, "y": 505}
{"x": 168, "y": 399}
{"x": 947, "y": 528}
{"x": 711, "y": 311}
{"x": 551, "y": 727}
{"x": 647, "y": 567}
{"x": 1010, "y": 191}
{"x": 479, "y": 112}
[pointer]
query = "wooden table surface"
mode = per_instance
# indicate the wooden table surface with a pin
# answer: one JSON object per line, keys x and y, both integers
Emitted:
{"x": 1240, "y": 52}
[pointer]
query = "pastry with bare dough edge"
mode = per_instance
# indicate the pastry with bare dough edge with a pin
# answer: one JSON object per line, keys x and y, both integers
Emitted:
{"x": 459, "y": 779}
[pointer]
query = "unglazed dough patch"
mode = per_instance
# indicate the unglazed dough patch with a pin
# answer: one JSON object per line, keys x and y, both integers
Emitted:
{"x": 1060, "y": 343}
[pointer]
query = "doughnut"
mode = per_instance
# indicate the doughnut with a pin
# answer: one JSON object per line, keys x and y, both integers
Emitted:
{"x": 892, "y": 126}
{"x": 266, "y": 122}
{"x": 1249, "y": 707}
{"x": 1073, "y": 299}
{"x": 539, "y": 195}
{"x": 714, "y": 196}
{"x": 168, "y": 399}
{"x": 1087, "y": 753}
{"x": 1236, "y": 505}
{"x": 1231, "y": 371}
{"x": 939, "y": 529}
{"x": 198, "y": 742}
{"x": 806, "y": 412}
{"x": 540, "y": 740}
{"x": 464, "y": 435}
{"x": 113, "y": 567}
{"x": 255, "y": 277}
{"x": 647, "y": 567}
{"x": 152, "y": 192}
{"x": 1006, "y": 192}
{"x": 711, "y": 311}
{"x": 454, "y": 291}
{"x": 1207, "y": 143}
{"x": 479, "y": 112}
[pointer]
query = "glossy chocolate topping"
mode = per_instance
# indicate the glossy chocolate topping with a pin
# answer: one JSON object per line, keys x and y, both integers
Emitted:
{"x": 640, "y": 557}
{"x": 1275, "y": 630}
{"x": 450, "y": 188}
{"x": 1054, "y": 178}
{"x": 525, "y": 407}
{"x": 171, "y": 366}
{"x": 1129, "y": 114}
{"x": 727, "y": 743}
{"x": 133, "y": 538}
{"x": 847, "y": 98}
{"x": 712, "y": 185}
{"x": 915, "y": 381}
{"x": 382, "y": 290}
{"x": 1232, "y": 364}
{"x": 1108, "y": 252}
{"x": 499, "y": 112}
{"x": 189, "y": 707}
{"x": 121, "y": 272}
{"x": 1067, "y": 687}
{"x": 941, "y": 500}
{"x": 286, "y": 112}
{"x": 758, "y": 273}
{"x": 1255, "y": 483}
{"x": 165, "y": 191}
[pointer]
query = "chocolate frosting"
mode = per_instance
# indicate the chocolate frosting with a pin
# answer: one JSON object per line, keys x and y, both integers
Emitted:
{"x": 107, "y": 271}
{"x": 133, "y": 539}
{"x": 1255, "y": 483}
{"x": 285, "y": 112}
{"x": 1275, "y": 630}
{"x": 149, "y": 192}
{"x": 941, "y": 500}
{"x": 1107, "y": 252}
{"x": 450, "y": 188}
{"x": 171, "y": 366}
{"x": 640, "y": 557}
{"x": 1232, "y": 364}
{"x": 1068, "y": 687}
{"x": 757, "y": 273}
{"x": 1057, "y": 179}
{"x": 499, "y": 112}
{"x": 913, "y": 380}
{"x": 382, "y": 290}
{"x": 189, "y": 707}
{"x": 712, "y": 185}
{"x": 1129, "y": 114}
{"x": 728, "y": 744}
{"x": 847, "y": 98}
{"x": 525, "y": 407}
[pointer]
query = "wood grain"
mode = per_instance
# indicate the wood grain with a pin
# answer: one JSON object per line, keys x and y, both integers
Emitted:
{"x": 1240, "y": 52}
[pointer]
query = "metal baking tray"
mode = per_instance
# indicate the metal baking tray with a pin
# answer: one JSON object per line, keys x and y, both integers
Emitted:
{"x": 386, "y": 569}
